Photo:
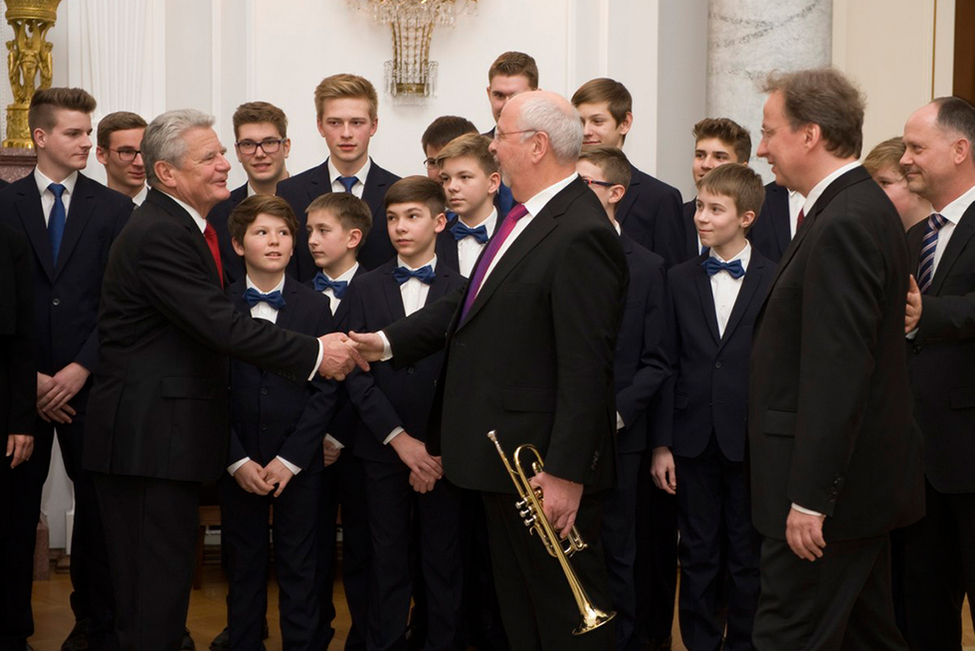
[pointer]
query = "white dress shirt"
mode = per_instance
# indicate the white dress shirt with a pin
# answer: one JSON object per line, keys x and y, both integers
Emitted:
{"x": 468, "y": 249}
{"x": 952, "y": 214}
{"x": 141, "y": 197}
{"x": 47, "y": 197}
{"x": 362, "y": 174}
{"x": 724, "y": 288}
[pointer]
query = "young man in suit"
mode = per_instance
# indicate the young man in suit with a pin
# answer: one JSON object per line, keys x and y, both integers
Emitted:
{"x": 437, "y": 135}
{"x": 512, "y": 73}
{"x": 159, "y": 408}
{"x": 262, "y": 145}
{"x": 534, "y": 330}
{"x": 119, "y": 140}
{"x": 337, "y": 225}
{"x": 275, "y": 440}
{"x": 835, "y": 460}
{"x": 404, "y": 481}
{"x": 707, "y": 397}
{"x": 71, "y": 222}
{"x": 639, "y": 372}
{"x": 939, "y": 551}
{"x": 347, "y": 118}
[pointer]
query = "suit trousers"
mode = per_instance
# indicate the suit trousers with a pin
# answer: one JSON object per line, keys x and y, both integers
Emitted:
{"x": 151, "y": 529}
{"x": 840, "y": 602}
{"x": 619, "y": 542}
{"x": 537, "y": 606}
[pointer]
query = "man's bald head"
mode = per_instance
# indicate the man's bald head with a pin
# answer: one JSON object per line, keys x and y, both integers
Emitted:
{"x": 549, "y": 113}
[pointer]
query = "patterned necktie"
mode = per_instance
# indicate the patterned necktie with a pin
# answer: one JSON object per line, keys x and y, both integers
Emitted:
{"x": 423, "y": 274}
{"x": 734, "y": 268}
{"x": 210, "y": 236}
{"x": 347, "y": 182}
{"x": 925, "y": 269}
{"x": 252, "y": 297}
{"x": 55, "y": 223}
{"x": 462, "y": 230}
{"x": 474, "y": 286}
{"x": 321, "y": 282}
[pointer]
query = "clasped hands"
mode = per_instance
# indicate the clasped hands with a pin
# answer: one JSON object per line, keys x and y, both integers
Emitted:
{"x": 261, "y": 481}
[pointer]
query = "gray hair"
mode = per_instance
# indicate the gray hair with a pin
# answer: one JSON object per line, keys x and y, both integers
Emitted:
{"x": 163, "y": 139}
{"x": 564, "y": 128}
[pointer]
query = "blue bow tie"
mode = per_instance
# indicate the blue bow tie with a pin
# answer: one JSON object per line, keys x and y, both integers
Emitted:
{"x": 423, "y": 274}
{"x": 274, "y": 299}
{"x": 712, "y": 265}
{"x": 461, "y": 230}
{"x": 321, "y": 282}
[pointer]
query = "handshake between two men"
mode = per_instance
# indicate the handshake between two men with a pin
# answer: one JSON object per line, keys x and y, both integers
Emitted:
{"x": 341, "y": 353}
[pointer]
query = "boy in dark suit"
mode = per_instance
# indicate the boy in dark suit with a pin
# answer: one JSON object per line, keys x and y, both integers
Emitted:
{"x": 71, "y": 222}
{"x": 347, "y": 119}
{"x": 337, "y": 225}
{"x": 708, "y": 396}
{"x": 276, "y": 436}
{"x": 640, "y": 370}
{"x": 403, "y": 480}
{"x": 119, "y": 142}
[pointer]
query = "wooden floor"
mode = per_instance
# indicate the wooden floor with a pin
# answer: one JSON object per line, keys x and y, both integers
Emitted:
{"x": 207, "y": 617}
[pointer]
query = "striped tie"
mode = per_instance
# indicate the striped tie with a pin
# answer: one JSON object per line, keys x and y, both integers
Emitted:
{"x": 925, "y": 270}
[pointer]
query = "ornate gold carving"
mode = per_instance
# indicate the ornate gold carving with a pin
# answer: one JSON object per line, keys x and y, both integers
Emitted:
{"x": 28, "y": 57}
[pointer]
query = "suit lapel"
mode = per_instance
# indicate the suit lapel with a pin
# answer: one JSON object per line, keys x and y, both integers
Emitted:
{"x": 287, "y": 313}
{"x": 959, "y": 239}
{"x": 439, "y": 286}
{"x": 342, "y": 312}
{"x": 374, "y": 187}
{"x": 750, "y": 284}
{"x": 706, "y": 298}
{"x": 31, "y": 213}
{"x": 447, "y": 246}
{"x": 82, "y": 206}
{"x": 169, "y": 205}
{"x": 394, "y": 298}
{"x": 632, "y": 192}
{"x": 319, "y": 184}
{"x": 781, "y": 219}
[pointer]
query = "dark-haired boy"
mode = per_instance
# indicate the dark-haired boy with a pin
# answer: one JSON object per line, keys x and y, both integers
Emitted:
{"x": 404, "y": 482}
{"x": 71, "y": 222}
{"x": 275, "y": 440}
{"x": 640, "y": 370}
{"x": 437, "y": 135}
{"x": 119, "y": 142}
{"x": 708, "y": 394}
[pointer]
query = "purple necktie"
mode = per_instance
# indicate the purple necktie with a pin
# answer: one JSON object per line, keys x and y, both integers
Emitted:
{"x": 508, "y": 225}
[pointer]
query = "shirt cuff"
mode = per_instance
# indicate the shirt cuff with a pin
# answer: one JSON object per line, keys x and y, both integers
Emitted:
{"x": 396, "y": 432}
{"x": 334, "y": 441}
{"x": 287, "y": 464}
{"x": 619, "y": 422}
{"x": 234, "y": 467}
{"x": 318, "y": 362}
{"x": 387, "y": 349}
{"x": 801, "y": 509}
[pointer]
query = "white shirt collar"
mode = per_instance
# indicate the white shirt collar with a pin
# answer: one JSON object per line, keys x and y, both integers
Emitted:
{"x": 200, "y": 221}
{"x": 432, "y": 264}
{"x": 361, "y": 174}
{"x": 954, "y": 210}
{"x": 277, "y": 288}
{"x": 42, "y": 181}
{"x": 140, "y": 198}
{"x": 489, "y": 224}
{"x": 537, "y": 203}
{"x": 745, "y": 255}
{"x": 347, "y": 276}
{"x": 820, "y": 187}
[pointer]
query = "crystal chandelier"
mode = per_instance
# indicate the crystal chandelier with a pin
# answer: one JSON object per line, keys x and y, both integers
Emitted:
{"x": 411, "y": 76}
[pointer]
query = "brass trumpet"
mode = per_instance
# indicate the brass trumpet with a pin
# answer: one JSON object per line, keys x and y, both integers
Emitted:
{"x": 530, "y": 509}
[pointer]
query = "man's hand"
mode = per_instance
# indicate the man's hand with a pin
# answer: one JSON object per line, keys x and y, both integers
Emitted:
{"x": 276, "y": 472}
{"x": 250, "y": 477}
{"x": 339, "y": 356}
{"x": 804, "y": 533}
{"x": 370, "y": 344}
{"x": 912, "y": 313}
{"x": 561, "y": 499}
{"x": 421, "y": 484}
{"x": 61, "y": 415}
{"x": 20, "y": 447}
{"x": 330, "y": 453}
{"x": 663, "y": 471}
{"x": 65, "y": 384}
{"x": 414, "y": 454}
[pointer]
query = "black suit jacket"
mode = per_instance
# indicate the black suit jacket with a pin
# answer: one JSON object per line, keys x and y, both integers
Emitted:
{"x": 233, "y": 264}
{"x": 692, "y": 248}
{"x": 301, "y": 189}
{"x": 534, "y": 357}
{"x": 159, "y": 407}
{"x": 66, "y": 294}
{"x": 271, "y": 416}
{"x": 386, "y": 397}
{"x": 18, "y": 380}
{"x": 641, "y": 367}
{"x": 942, "y": 360}
{"x": 447, "y": 243}
{"x": 709, "y": 392}
{"x": 651, "y": 214}
{"x": 772, "y": 231}
{"x": 830, "y": 418}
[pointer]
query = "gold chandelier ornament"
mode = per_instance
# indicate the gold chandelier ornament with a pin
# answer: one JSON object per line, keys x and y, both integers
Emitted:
{"x": 28, "y": 57}
{"x": 411, "y": 76}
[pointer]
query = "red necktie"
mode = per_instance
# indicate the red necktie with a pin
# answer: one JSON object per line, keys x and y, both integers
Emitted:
{"x": 802, "y": 215}
{"x": 508, "y": 225}
{"x": 210, "y": 236}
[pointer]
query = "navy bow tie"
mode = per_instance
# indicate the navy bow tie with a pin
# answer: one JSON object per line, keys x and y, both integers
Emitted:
{"x": 712, "y": 265}
{"x": 462, "y": 230}
{"x": 274, "y": 299}
{"x": 321, "y": 282}
{"x": 423, "y": 274}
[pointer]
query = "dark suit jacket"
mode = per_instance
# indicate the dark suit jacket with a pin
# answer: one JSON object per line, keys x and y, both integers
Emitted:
{"x": 830, "y": 418}
{"x": 301, "y": 189}
{"x": 233, "y": 264}
{"x": 772, "y": 231}
{"x": 709, "y": 392}
{"x": 447, "y": 243}
{"x": 691, "y": 249}
{"x": 641, "y": 367}
{"x": 66, "y": 294}
{"x": 272, "y": 416}
{"x": 18, "y": 379}
{"x": 534, "y": 357}
{"x": 942, "y": 360}
{"x": 386, "y": 397}
{"x": 159, "y": 407}
{"x": 650, "y": 213}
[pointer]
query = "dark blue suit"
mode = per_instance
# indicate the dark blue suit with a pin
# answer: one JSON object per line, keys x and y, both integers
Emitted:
{"x": 709, "y": 397}
{"x": 772, "y": 231}
{"x": 650, "y": 213}
{"x": 693, "y": 248}
{"x": 447, "y": 243}
{"x": 387, "y": 398}
{"x": 233, "y": 264}
{"x": 66, "y": 293}
{"x": 270, "y": 417}
{"x": 301, "y": 189}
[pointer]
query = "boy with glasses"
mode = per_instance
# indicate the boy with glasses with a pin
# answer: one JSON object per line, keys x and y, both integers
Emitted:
{"x": 119, "y": 140}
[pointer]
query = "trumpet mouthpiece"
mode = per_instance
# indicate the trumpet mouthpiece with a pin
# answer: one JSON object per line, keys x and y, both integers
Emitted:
{"x": 491, "y": 435}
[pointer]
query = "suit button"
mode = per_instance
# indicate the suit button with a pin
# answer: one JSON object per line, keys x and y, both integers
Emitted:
{"x": 917, "y": 350}
{"x": 263, "y": 428}
{"x": 717, "y": 365}
{"x": 411, "y": 370}
{"x": 56, "y": 302}
{"x": 263, "y": 391}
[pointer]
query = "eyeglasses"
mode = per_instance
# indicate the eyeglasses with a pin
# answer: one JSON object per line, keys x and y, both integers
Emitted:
{"x": 605, "y": 184}
{"x": 268, "y": 146}
{"x": 126, "y": 155}
{"x": 430, "y": 163}
{"x": 499, "y": 135}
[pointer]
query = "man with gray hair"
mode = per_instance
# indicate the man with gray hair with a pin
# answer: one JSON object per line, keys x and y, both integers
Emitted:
{"x": 530, "y": 343}
{"x": 158, "y": 423}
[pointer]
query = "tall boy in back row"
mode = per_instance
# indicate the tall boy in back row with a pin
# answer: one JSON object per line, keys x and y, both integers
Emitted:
{"x": 346, "y": 107}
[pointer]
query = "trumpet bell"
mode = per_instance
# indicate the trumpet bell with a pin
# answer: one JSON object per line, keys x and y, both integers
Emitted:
{"x": 592, "y": 619}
